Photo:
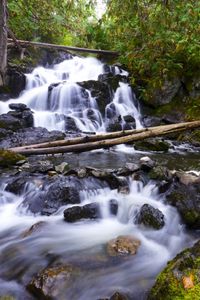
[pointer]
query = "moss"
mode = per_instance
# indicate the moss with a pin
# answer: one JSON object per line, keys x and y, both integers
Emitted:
{"x": 152, "y": 145}
{"x": 7, "y": 297}
{"x": 169, "y": 284}
{"x": 8, "y": 158}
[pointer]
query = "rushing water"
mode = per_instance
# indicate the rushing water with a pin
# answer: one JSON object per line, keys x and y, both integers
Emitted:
{"x": 83, "y": 243}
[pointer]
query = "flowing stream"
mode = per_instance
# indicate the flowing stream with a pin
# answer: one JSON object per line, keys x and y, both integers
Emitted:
{"x": 83, "y": 243}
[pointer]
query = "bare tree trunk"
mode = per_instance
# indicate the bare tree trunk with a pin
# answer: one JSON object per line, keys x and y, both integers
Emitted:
{"x": 81, "y": 146}
{"x": 3, "y": 41}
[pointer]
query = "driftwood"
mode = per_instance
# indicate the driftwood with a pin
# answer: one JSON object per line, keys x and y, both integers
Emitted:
{"x": 65, "y": 48}
{"x": 105, "y": 142}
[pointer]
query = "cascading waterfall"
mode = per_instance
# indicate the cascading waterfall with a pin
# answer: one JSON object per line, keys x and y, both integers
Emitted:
{"x": 57, "y": 99}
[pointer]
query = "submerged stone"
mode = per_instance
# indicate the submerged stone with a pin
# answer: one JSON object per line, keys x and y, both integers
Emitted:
{"x": 123, "y": 246}
{"x": 50, "y": 282}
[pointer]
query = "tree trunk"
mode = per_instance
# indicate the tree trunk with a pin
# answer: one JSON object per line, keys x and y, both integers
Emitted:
{"x": 3, "y": 41}
{"x": 105, "y": 143}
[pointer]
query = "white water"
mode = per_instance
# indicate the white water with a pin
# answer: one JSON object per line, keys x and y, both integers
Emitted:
{"x": 85, "y": 242}
{"x": 52, "y": 104}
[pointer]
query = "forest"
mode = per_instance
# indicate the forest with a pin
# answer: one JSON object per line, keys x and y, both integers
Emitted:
{"x": 99, "y": 149}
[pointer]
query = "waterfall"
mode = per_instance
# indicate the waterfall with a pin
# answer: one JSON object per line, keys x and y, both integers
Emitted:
{"x": 60, "y": 103}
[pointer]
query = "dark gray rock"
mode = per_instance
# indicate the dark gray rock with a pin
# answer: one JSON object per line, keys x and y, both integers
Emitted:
{"x": 16, "y": 80}
{"x": 100, "y": 91}
{"x": 113, "y": 207}
{"x": 186, "y": 198}
{"x": 28, "y": 136}
{"x": 18, "y": 106}
{"x": 112, "y": 80}
{"x": 114, "y": 125}
{"x": 150, "y": 217}
{"x": 16, "y": 185}
{"x": 77, "y": 213}
{"x": 152, "y": 145}
{"x": 146, "y": 163}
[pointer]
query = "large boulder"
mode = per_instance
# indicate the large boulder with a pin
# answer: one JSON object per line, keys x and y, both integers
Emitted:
{"x": 50, "y": 282}
{"x": 16, "y": 80}
{"x": 150, "y": 217}
{"x": 181, "y": 277}
{"x": 15, "y": 120}
{"x": 152, "y": 145}
{"x": 77, "y": 213}
{"x": 185, "y": 196}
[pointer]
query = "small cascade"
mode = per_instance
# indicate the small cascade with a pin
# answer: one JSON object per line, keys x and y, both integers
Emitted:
{"x": 60, "y": 103}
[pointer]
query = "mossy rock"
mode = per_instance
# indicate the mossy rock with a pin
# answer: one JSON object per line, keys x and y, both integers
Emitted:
{"x": 180, "y": 280}
{"x": 160, "y": 173}
{"x": 152, "y": 145}
{"x": 8, "y": 158}
{"x": 7, "y": 297}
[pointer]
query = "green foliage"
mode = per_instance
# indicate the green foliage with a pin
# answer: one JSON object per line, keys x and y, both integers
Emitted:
{"x": 157, "y": 41}
{"x": 8, "y": 158}
{"x": 49, "y": 20}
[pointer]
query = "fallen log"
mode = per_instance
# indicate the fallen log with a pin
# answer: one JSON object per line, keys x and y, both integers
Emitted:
{"x": 65, "y": 48}
{"x": 105, "y": 143}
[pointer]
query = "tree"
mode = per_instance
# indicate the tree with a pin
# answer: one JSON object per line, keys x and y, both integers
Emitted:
{"x": 3, "y": 41}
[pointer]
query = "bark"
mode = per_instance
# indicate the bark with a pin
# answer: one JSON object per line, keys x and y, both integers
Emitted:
{"x": 105, "y": 143}
{"x": 3, "y": 41}
{"x": 64, "y": 48}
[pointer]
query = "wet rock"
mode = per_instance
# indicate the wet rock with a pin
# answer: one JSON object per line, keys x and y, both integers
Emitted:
{"x": 112, "y": 80}
{"x": 150, "y": 217}
{"x": 113, "y": 207}
{"x": 28, "y": 136}
{"x": 77, "y": 213}
{"x": 62, "y": 168}
{"x": 186, "y": 198}
{"x": 151, "y": 121}
{"x": 52, "y": 173}
{"x": 16, "y": 185}
{"x": 123, "y": 246}
{"x": 129, "y": 119}
{"x": 34, "y": 228}
{"x": 4, "y": 133}
{"x": 146, "y": 163}
{"x": 152, "y": 145}
{"x": 42, "y": 166}
{"x": 116, "y": 182}
{"x": 16, "y": 80}
{"x": 70, "y": 124}
{"x": 118, "y": 296}
{"x": 100, "y": 91}
{"x": 15, "y": 120}
{"x": 9, "y": 158}
{"x": 18, "y": 106}
{"x": 50, "y": 282}
{"x": 125, "y": 190}
{"x": 128, "y": 169}
{"x": 160, "y": 173}
{"x": 187, "y": 179}
{"x": 181, "y": 277}
{"x": 114, "y": 125}
{"x": 59, "y": 194}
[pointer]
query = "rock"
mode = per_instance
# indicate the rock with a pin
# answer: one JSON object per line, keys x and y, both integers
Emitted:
{"x": 77, "y": 213}
{"x": 9, "y": 158}
{"x": 59, "y": 194}
{"x": 16, "y": 185}
{"x": 70, "y": 124}
{"x": 52, "y": 173}
{"x": 160, "y": 173}
{"x": 129, "y": 119}
{"x": 125, "y": 190}
{"x": 146, "y": 163}
{"x": 50, "y": 282}
{"x": 15, "y": 120}
{"x": 118, "y": 296}
{"x": 113, "y": 207}
{"x": 181, "y": 277}
{"x": 152, "y": 145}
{"x": 28, "y": 136}
{"x": 100, "y": 91}
{"x": 151, "y": 121}
{"x": 186, "y": 178}
{"x": 150, "y": 217}
{"x": 34, "y": 228}
{"x": 186, "y": 198}
{"x": 42, "y": 166}
{"x": 62, "y": 168}
{"x": 114, "y": 125}
{"x": 123, "y": 246}
{"x": 167, "y": 93}
{"x": 4, "y": 133}
{"x": 112, "y": 80}
{"x": 16, "y": 80}
{"x": 18, "y": 106}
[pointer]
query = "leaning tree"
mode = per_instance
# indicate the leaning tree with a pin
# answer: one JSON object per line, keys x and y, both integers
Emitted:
{"x": 3, "y": 41}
